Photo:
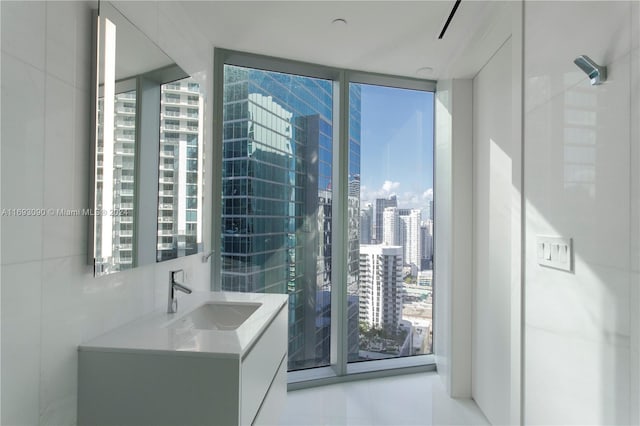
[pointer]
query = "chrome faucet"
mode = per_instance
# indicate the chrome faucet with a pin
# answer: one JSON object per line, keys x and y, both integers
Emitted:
{"x": 172, "y": 307}
{"x": 206, "y": 256}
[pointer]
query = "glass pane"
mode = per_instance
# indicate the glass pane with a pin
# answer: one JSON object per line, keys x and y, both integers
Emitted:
{"x": 180, "y": 173}
{"x": 114, "y": 218}
{"x": 391, "y": 215}
{"x": 276, "y": 199}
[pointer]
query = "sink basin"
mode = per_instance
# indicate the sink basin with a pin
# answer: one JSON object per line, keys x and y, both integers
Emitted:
{"x": 216, "y": 316}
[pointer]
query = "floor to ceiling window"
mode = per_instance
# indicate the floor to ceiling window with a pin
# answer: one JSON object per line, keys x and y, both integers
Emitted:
{"x": 391, "y": 173}
{"x": 306, "y": 152}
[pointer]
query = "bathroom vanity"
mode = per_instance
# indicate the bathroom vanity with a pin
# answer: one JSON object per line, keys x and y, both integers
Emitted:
{"x": 220, "y": 360}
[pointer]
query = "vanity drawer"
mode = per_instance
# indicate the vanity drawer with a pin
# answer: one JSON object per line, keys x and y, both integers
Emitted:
{"x": 260, "y": 366}
{"x": 273, "y": 405}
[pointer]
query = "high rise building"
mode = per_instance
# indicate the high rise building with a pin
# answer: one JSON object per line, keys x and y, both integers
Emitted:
{"x": 277, "y": 200}
{"x": 353, "y": 217}
{"x": 426, "y": 241}
{"x": 180, "y": 171}
{"x": 381, "y": 287}
{"x": 366, "y": 224}
{"x": 410, "y": 236}
{"x": 115, "y": 186}
{"x": 391, "y": 231}
{"x": 378, "y": 226}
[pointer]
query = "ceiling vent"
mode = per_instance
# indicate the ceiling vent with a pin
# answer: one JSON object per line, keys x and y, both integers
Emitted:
{"x": 446, "y": 24}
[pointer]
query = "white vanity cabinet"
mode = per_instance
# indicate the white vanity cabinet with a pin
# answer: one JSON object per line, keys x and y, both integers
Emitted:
{"x": 260, "y": 368}
{"x": 206, "y": 381}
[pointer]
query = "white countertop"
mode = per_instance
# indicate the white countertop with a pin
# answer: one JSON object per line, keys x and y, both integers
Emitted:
{"x": 150, "y": 333}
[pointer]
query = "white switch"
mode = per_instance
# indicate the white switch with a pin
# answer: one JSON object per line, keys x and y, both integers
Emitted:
{"x": 563, "y": 252}
{"x": 555, "y": 252}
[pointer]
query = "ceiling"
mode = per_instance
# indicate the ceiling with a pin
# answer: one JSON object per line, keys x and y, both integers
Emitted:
{"x": 391, "y": 37}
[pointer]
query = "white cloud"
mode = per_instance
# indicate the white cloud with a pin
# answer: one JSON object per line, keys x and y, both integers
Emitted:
{"x": 406, "y": 199}
{"x": 387, "y": 189}
{"x": 389, "y": 186}
{"x": 410, "y": 200}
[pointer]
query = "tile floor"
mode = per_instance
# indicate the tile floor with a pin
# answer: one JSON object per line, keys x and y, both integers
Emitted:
{"x": 412, "y": 399}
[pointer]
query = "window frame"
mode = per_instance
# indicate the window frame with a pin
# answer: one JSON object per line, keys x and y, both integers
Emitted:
{"x": 339, "y": 369}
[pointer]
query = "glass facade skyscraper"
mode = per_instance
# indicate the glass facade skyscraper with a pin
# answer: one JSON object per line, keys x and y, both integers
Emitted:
{"x": 277, "y": 200}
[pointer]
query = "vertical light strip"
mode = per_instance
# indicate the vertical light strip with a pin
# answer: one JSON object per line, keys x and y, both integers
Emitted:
{"x": 340, "y": 226}
{"x": 95, "y": 132}
{"x": 109, "y": 85}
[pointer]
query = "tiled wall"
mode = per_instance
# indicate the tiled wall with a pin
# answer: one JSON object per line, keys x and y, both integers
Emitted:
{"x": 581, "y": 182}
{"x": 50, "y": 300}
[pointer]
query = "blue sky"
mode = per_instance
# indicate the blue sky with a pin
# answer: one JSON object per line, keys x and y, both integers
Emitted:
{"x": 397, "y": 145}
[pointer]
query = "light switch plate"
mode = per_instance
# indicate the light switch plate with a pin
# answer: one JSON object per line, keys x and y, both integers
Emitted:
{"x": 555, "y": 252}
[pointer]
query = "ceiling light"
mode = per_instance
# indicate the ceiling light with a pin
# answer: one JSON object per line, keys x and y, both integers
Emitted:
{"x": 339, "y": 22}
{"x": 424, "y": 72}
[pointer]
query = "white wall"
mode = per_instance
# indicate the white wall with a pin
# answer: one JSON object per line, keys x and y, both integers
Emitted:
{"x": 453, "y": 208}
{"x": 50, "y": 300}
{"x": 581, "y": 182}
{"x": 634, "y": 294}
{"x": 496, "y": 206}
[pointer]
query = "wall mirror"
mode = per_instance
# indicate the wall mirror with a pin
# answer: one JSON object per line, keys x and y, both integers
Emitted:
{"x": 147, "y": 151}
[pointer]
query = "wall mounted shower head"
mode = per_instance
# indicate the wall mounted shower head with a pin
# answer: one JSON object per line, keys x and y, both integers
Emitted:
{"x": 597, "y": 73}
